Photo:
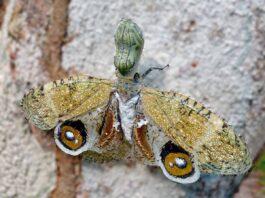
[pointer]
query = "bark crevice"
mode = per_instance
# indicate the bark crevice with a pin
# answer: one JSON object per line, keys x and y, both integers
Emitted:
{"x": 68, "y": 167}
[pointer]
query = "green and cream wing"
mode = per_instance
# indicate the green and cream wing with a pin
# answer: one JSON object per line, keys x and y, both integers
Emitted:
{"x": 65, "y": 99}
{"x": 215, "y": 146}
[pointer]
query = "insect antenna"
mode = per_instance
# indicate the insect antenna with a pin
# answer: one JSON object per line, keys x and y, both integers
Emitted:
{"x": 152, "y": 69}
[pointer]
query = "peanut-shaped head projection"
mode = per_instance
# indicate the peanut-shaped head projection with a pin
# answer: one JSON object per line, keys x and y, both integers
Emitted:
{"x": 129, "y": 43}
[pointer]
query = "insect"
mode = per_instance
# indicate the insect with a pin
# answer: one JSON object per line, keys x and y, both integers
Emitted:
{"x": 123, "y": 119}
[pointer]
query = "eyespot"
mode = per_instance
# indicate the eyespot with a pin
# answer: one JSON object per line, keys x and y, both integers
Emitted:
{"x": 71, "y": 137}
{"x": 177, "y": 164}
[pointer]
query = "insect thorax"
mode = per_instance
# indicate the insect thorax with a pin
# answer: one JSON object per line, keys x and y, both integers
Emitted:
{"x": 127, "y": 87}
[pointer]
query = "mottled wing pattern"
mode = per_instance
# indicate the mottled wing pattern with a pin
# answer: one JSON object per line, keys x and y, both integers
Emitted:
{"x": 214, "y": 144}
{"x": 65, "y": 99}
{"x": 119, "y": 153}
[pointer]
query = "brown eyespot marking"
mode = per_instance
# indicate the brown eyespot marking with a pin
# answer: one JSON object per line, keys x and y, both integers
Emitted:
{"x": 176, "y": 161}
{"x": 72, "y": 134}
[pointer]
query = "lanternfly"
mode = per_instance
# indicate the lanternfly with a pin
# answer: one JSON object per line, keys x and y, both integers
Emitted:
{"x": 105, "y": 120}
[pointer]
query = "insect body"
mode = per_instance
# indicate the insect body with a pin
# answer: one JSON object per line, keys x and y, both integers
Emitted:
{"x": 105, "y": 120}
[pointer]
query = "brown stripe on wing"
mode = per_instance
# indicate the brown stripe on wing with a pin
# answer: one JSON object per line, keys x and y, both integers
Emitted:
{"x": 108, "y": 131}
{"x": 111, "y": 135}
{"x": 140, "y": 137}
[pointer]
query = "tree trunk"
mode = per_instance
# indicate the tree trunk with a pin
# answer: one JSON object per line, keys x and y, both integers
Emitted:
{"x": 216, "y": 54}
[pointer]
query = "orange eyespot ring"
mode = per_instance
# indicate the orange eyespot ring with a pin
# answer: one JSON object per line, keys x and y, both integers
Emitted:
{"x": 72, "y": 134}
{"x": 176, "y": 161}
{"x": 178, "y": 164}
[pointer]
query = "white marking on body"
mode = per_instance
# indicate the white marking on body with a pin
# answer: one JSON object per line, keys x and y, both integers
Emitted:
{"x": 127, "y": 110}
{"x": 116, "y": 125}
{"x": 141, "y": 123}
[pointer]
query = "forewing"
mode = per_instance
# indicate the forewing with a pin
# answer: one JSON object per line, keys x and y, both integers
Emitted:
{"x": 65, "y": 99}
{"x": 213, "y": 144}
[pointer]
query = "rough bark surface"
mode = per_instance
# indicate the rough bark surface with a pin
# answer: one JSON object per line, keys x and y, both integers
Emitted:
{"x": 216, "y": 54}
